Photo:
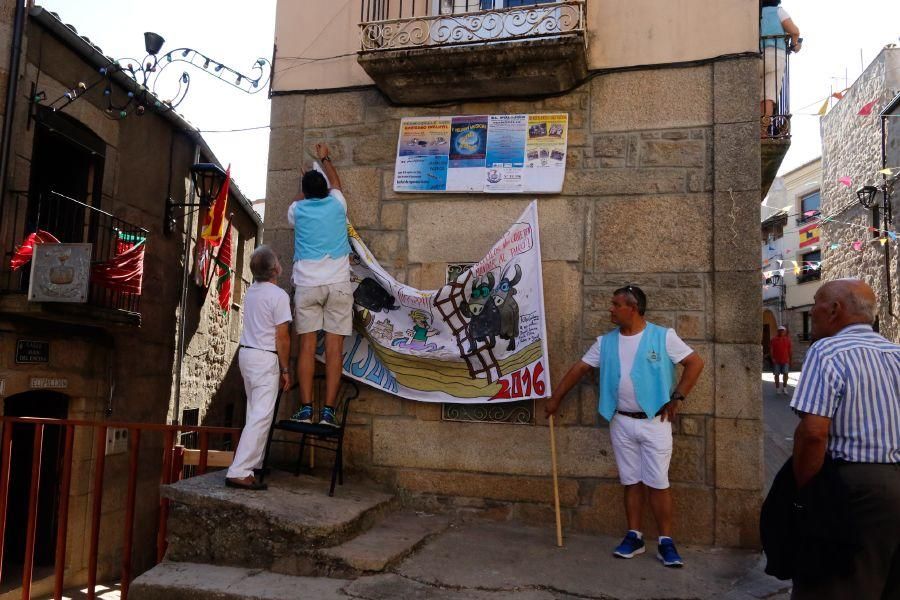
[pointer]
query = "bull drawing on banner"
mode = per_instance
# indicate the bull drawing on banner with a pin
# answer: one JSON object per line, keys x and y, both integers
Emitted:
{"x": 484, "y": 323}
{"x": 502, "y": 298}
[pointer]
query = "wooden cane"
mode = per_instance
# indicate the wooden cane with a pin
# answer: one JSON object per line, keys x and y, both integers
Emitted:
{"x": 559, "y": 540}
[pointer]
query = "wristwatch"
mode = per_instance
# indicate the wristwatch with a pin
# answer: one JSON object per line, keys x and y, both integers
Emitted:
{"x": 285, "y": 370}
{"x": 326, "y": 159}
{"x": 676, "y": 396}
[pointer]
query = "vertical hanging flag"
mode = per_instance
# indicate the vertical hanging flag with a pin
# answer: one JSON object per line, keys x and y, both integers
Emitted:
{"x": 809, "y": 235}
{"x": 214, "y": 221}
{"x": 224, "y": 272}
{"x": 866, "y": 110}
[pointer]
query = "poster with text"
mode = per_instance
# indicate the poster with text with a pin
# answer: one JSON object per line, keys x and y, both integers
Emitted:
{"x": 482, "y": 153}
{"x": 468, "y": 147}
{"x": 422, "y": 155}
{"x": 545, "y": 152}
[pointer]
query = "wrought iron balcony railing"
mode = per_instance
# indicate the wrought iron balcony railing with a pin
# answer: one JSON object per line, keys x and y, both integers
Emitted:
{"x": 775, "y": 86}
{"x": 398, "y": 25}
{"x": 69, "y": 221}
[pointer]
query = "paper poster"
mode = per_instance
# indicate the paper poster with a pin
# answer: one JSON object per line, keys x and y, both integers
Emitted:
{"x": 545, "y": 152}
{"x": 422, "y": 155}
{"x": 482, "y": 153}
{"x": 468, "y": 148}
{"x": 505, "y": 159}
{"x": 480, "y": 338}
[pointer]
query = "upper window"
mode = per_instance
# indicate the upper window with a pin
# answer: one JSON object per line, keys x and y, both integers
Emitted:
{"x": 809, "y": 206}
{"x": 810, "y": 267}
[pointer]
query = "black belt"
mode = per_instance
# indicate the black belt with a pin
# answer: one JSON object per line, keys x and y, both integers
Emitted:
{"x": 261, "y": 349}
{"x": 635, "y": 415}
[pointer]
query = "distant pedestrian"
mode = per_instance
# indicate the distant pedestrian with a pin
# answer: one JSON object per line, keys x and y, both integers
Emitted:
{"x": 323, "y": 294}
{"x": 849, "y": 401}
{"x": 780, "y": 351}
{"x": 263, "y": 356}
{"x": 640, "y": 398}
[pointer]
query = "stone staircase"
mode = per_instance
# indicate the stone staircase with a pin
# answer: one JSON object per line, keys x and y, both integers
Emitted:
{"x": 293, "y": 531}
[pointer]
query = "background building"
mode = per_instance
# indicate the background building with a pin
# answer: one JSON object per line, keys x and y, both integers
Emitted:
{"x": 662, "y": 186}
{"x": 852, "y": 148}
{"x": 791, "y": 255}
{"x": 88, "y": 176}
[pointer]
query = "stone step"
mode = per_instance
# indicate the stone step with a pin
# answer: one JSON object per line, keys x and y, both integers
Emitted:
{"x": 381, "y": 547}
{"x": 192, "y": 581}
{"x": 210, "y": 523}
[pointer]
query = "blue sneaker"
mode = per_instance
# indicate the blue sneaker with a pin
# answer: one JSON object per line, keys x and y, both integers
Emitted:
{"x": 631, "y": 546}
{"x": 304, "y": 415}
{"x": 668, "y": 555}
{"x": 326, "y": 417}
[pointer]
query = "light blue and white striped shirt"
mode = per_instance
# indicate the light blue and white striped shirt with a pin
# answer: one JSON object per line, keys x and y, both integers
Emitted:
{"x": 853, "y": 378}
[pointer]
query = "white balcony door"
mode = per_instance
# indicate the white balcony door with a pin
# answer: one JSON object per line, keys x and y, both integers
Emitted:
{"x": 450, "y": 7}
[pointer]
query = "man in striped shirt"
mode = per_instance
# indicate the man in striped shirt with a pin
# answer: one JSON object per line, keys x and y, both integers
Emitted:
{"x": 848, "y": 399}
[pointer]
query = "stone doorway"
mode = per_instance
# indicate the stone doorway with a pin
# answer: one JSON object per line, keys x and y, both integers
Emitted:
{"x": 41, "y": 404}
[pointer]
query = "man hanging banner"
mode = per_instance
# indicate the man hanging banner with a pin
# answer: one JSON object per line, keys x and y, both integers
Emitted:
{"x": 480, "y": 338}
{"x": 521, "y": 153}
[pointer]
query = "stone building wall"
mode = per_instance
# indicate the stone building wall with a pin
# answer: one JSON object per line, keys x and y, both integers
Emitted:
{"x": 851, "y": 147}
{"x": 121, "y": 373}
{"x": 661, "y": 190}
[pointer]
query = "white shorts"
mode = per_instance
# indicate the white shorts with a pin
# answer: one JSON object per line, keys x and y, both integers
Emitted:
{"x": 643, "y": 449}
{"x": 324, "y": 307}
{"x": 771, "y": 73}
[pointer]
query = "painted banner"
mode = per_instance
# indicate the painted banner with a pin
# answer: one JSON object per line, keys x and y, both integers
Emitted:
{"x": 480, "y": 338}
{"x": 482, "y": 153}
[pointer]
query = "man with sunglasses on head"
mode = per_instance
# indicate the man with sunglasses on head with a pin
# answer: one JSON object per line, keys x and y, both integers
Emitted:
{"x": 323, "y": 295}
{"x": 639, "y": 397}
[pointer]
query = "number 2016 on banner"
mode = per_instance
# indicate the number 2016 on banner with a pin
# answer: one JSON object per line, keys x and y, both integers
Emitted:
{"x": 521, "y": 383}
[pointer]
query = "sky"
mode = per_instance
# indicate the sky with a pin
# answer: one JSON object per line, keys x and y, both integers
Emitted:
{"x": 235, "y": 32}
{"x": 834, "y": 34}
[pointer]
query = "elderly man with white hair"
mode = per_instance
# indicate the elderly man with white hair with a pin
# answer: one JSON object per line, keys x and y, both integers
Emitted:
{"x": 848, "y": 398}
{"x": 264, "y": 354}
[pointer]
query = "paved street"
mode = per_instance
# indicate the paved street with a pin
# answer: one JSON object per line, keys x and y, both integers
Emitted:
{"x": 780, "y": 422}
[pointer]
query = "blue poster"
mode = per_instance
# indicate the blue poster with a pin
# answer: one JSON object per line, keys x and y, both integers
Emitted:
{"x": 421, "y": 174}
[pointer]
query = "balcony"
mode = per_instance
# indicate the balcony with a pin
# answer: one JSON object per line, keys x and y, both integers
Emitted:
{"x": 70, "y": 221}
{"x": 775, "y": 110}
{"x": 420, "y": 52}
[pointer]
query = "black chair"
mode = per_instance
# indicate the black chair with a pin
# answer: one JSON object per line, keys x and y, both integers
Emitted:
{"x": 325, "y": 437}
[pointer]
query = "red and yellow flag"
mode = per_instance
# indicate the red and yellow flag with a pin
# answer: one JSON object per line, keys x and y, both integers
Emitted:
{"x": 809, "y": 235}
{"x": 224, "y": 272}
{"x": 214, "y": 220}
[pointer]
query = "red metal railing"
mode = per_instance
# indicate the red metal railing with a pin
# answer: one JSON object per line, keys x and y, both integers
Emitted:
{"x": 172, "y": 461}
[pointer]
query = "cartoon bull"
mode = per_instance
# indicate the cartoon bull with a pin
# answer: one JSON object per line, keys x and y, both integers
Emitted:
{"x": 484, "y": 324}
{"x": 502, "y": 298}
{"x": 369, "y": 294}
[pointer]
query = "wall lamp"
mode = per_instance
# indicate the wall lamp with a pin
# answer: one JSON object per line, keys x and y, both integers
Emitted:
{"x": 866, "y": 195}
{"x": 207, "y": 179}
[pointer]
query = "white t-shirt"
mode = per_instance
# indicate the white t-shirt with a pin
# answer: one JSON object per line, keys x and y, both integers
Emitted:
{"x": 322, "y": 271}
{"x": 783, "y": 15}
{"x": 265, "y": 306}
{"x": 628, "y": 345}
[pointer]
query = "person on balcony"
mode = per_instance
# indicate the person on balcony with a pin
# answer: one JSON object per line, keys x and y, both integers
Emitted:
{"x": 323, "y": 295}
{"x": 774, "y": 21}
{"x": 780, "y": 351}
{"x": 263, "y": 357}
{"x": 640, "y": 399}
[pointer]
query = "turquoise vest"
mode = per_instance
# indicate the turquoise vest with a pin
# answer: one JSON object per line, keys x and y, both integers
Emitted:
{"x": 652, "y": 375}
{"x": 320, "y": 229}
{"x": 770, "y": 24}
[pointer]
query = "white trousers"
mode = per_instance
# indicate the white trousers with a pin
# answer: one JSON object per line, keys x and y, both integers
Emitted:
{"x": 261, "y": 378}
